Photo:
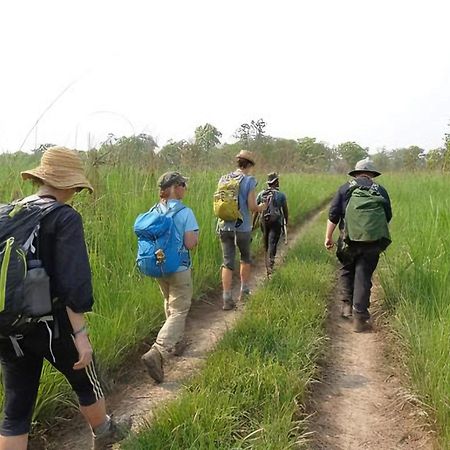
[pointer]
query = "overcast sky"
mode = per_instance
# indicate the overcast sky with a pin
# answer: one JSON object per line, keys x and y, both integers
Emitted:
{"x": 374, "y": 72}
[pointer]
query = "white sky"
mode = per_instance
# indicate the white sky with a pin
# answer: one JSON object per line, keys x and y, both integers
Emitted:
{"x": 376, "y": 72}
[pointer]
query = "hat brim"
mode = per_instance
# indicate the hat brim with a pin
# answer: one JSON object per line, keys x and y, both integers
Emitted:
{"x": 74, "y": 182}
{"x": 246, "y": 159}
{"x": 352, "y": 173}
{"x": 272, "y": 181}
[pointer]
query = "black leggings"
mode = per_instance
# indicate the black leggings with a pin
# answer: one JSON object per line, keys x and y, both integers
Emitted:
{"x": 21, "y": 375}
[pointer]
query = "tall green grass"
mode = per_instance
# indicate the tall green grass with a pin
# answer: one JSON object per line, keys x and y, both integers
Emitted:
{"x": 248, "y": 395}
{"x": 128, "y": 307}
{"x": 416, "y": 280}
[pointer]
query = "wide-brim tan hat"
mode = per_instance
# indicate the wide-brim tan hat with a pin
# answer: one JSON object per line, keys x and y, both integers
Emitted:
{"x": 60, "y": 168}
{"x": 246, "y": 154}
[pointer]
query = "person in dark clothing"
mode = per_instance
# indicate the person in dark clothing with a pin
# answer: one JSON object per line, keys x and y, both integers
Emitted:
{"x": 360, "y": 259}
{"x": 274, "y": 219}
{"x": 64, "y": 342}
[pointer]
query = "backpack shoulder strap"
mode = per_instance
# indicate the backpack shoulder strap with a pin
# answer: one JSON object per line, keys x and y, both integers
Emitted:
{"x": 171, "y": 212}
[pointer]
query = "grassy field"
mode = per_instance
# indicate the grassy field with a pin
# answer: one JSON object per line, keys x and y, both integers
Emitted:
{"x": 415, "y": 276}
{"x": 128, "y": 307}
{"x": 259, "y": 373}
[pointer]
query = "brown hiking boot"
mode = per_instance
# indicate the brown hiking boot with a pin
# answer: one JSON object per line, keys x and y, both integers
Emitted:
{"x": 228, "y": 305}
{"x": 346, "y": 310}
{"x": 154, "y": 363}
{"x": 361, "y": 325}
{"x": 116, "y": 432}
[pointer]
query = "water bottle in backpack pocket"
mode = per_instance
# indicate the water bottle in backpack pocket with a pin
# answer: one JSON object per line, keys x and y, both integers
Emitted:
{"x": 37, "y": 300}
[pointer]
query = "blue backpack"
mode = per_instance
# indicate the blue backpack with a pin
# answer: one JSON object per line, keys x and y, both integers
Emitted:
{"x": 159, "y": 251}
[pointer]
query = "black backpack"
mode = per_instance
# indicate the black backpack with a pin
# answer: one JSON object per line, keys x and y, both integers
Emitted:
{"x": 24, "y": 284}
{"x": 273, "y": 213}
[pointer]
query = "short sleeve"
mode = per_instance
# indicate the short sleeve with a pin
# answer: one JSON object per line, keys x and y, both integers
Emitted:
{"x": 190, "y": 223}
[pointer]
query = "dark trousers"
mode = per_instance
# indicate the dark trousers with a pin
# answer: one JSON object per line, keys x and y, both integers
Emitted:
{"x": 355, "y": 276}
{"x": 271, "y": 236}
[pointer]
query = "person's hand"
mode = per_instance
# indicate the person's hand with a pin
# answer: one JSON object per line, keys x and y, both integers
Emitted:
{"x": 329, "y": 243}
{"x": 264, "y": 205}
{"x": 84, "y": 348}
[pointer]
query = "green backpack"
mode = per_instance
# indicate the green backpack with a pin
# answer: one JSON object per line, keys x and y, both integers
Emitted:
{"x": 365, "y": 216}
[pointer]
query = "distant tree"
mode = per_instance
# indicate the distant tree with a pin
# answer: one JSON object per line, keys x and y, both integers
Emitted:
{"x": 408, "y": 158}
{"x": 137, "y": 150}
{"x": 351, "y": 153}
{"x": 435, "y": 159}
{"x": 174, "y": 153}
{"x": 207, "y": 137}
{"x": 446, "y": 162}
{"x": 313, "y": 155}
{"x": 382, "y": 160}
{"x": 253, "y": 131}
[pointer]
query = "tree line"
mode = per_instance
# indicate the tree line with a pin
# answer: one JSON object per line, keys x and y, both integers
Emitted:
{"x": 307, "y": 154}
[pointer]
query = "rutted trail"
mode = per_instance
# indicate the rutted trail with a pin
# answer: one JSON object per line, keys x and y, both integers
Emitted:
{"x": 360, "y": 403}
{"x": 136, "y": 395}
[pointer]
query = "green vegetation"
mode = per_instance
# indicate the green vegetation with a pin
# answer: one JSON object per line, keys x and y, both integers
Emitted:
{"x": 128, "y": 307}
{"x": 248, "y": 394}
{"x": 416, "y": 280}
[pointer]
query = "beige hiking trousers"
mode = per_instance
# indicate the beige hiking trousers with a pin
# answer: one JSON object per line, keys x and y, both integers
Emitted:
{"x": 177, "y": 290}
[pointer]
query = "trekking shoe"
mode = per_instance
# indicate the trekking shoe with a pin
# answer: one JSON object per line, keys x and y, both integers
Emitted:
{"x": 346, "y": 310}
{"x": 361, "y": 325}
{"x": 154, "y": 363}
{"x": 117, "y": 431}
{"x": 228, "y": 305}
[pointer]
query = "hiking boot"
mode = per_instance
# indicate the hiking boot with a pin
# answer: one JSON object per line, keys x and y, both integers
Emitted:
{"x": 346, "y": 310}
{"x": 154, "y": 363}
{"x": 361, "y": 325}
{"x": 228, "y": 304}
{"x": 117, "y": 431}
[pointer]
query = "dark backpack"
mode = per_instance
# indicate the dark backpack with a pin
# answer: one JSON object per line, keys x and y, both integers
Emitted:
{"x": 365, "y": 216}
{"x": 158, "y": 246}
{"x": 273, "y": 213}
{"x": 24, "y": 284}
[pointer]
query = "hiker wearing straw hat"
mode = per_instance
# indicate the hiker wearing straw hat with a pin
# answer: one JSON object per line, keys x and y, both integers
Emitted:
{"x": 362, "y": 210}
{"x": 236, "y": 231}
{"x": 274, "y": 219}
{"x": 63, "y": 338}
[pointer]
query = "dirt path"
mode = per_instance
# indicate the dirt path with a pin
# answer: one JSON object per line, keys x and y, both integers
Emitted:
{"x": 360, "y": 402}
{"x": 135, "y": 394}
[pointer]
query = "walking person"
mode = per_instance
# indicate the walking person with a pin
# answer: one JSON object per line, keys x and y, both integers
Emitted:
{"x": 62, "y": 336}
{"x": 175, "y": 287}
{"x": 362, "y": 210}
{"x": 274, "y": 219}
{"x": 237, "y": 232}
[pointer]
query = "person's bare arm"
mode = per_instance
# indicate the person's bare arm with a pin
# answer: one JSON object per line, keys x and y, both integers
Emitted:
{"x": 329, "y": 234}
{"x": 81, "y": 338}
{"x": 190, "y": 239}
{"x": 252, "y": 205}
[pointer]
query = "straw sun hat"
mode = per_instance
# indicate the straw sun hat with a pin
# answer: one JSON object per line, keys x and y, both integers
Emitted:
{"x": 60, "y": 168}
{"x": 246, "y": 154}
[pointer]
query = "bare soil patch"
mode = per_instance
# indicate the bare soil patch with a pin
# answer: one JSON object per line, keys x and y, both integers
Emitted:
{"x": 360, "y": 402}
